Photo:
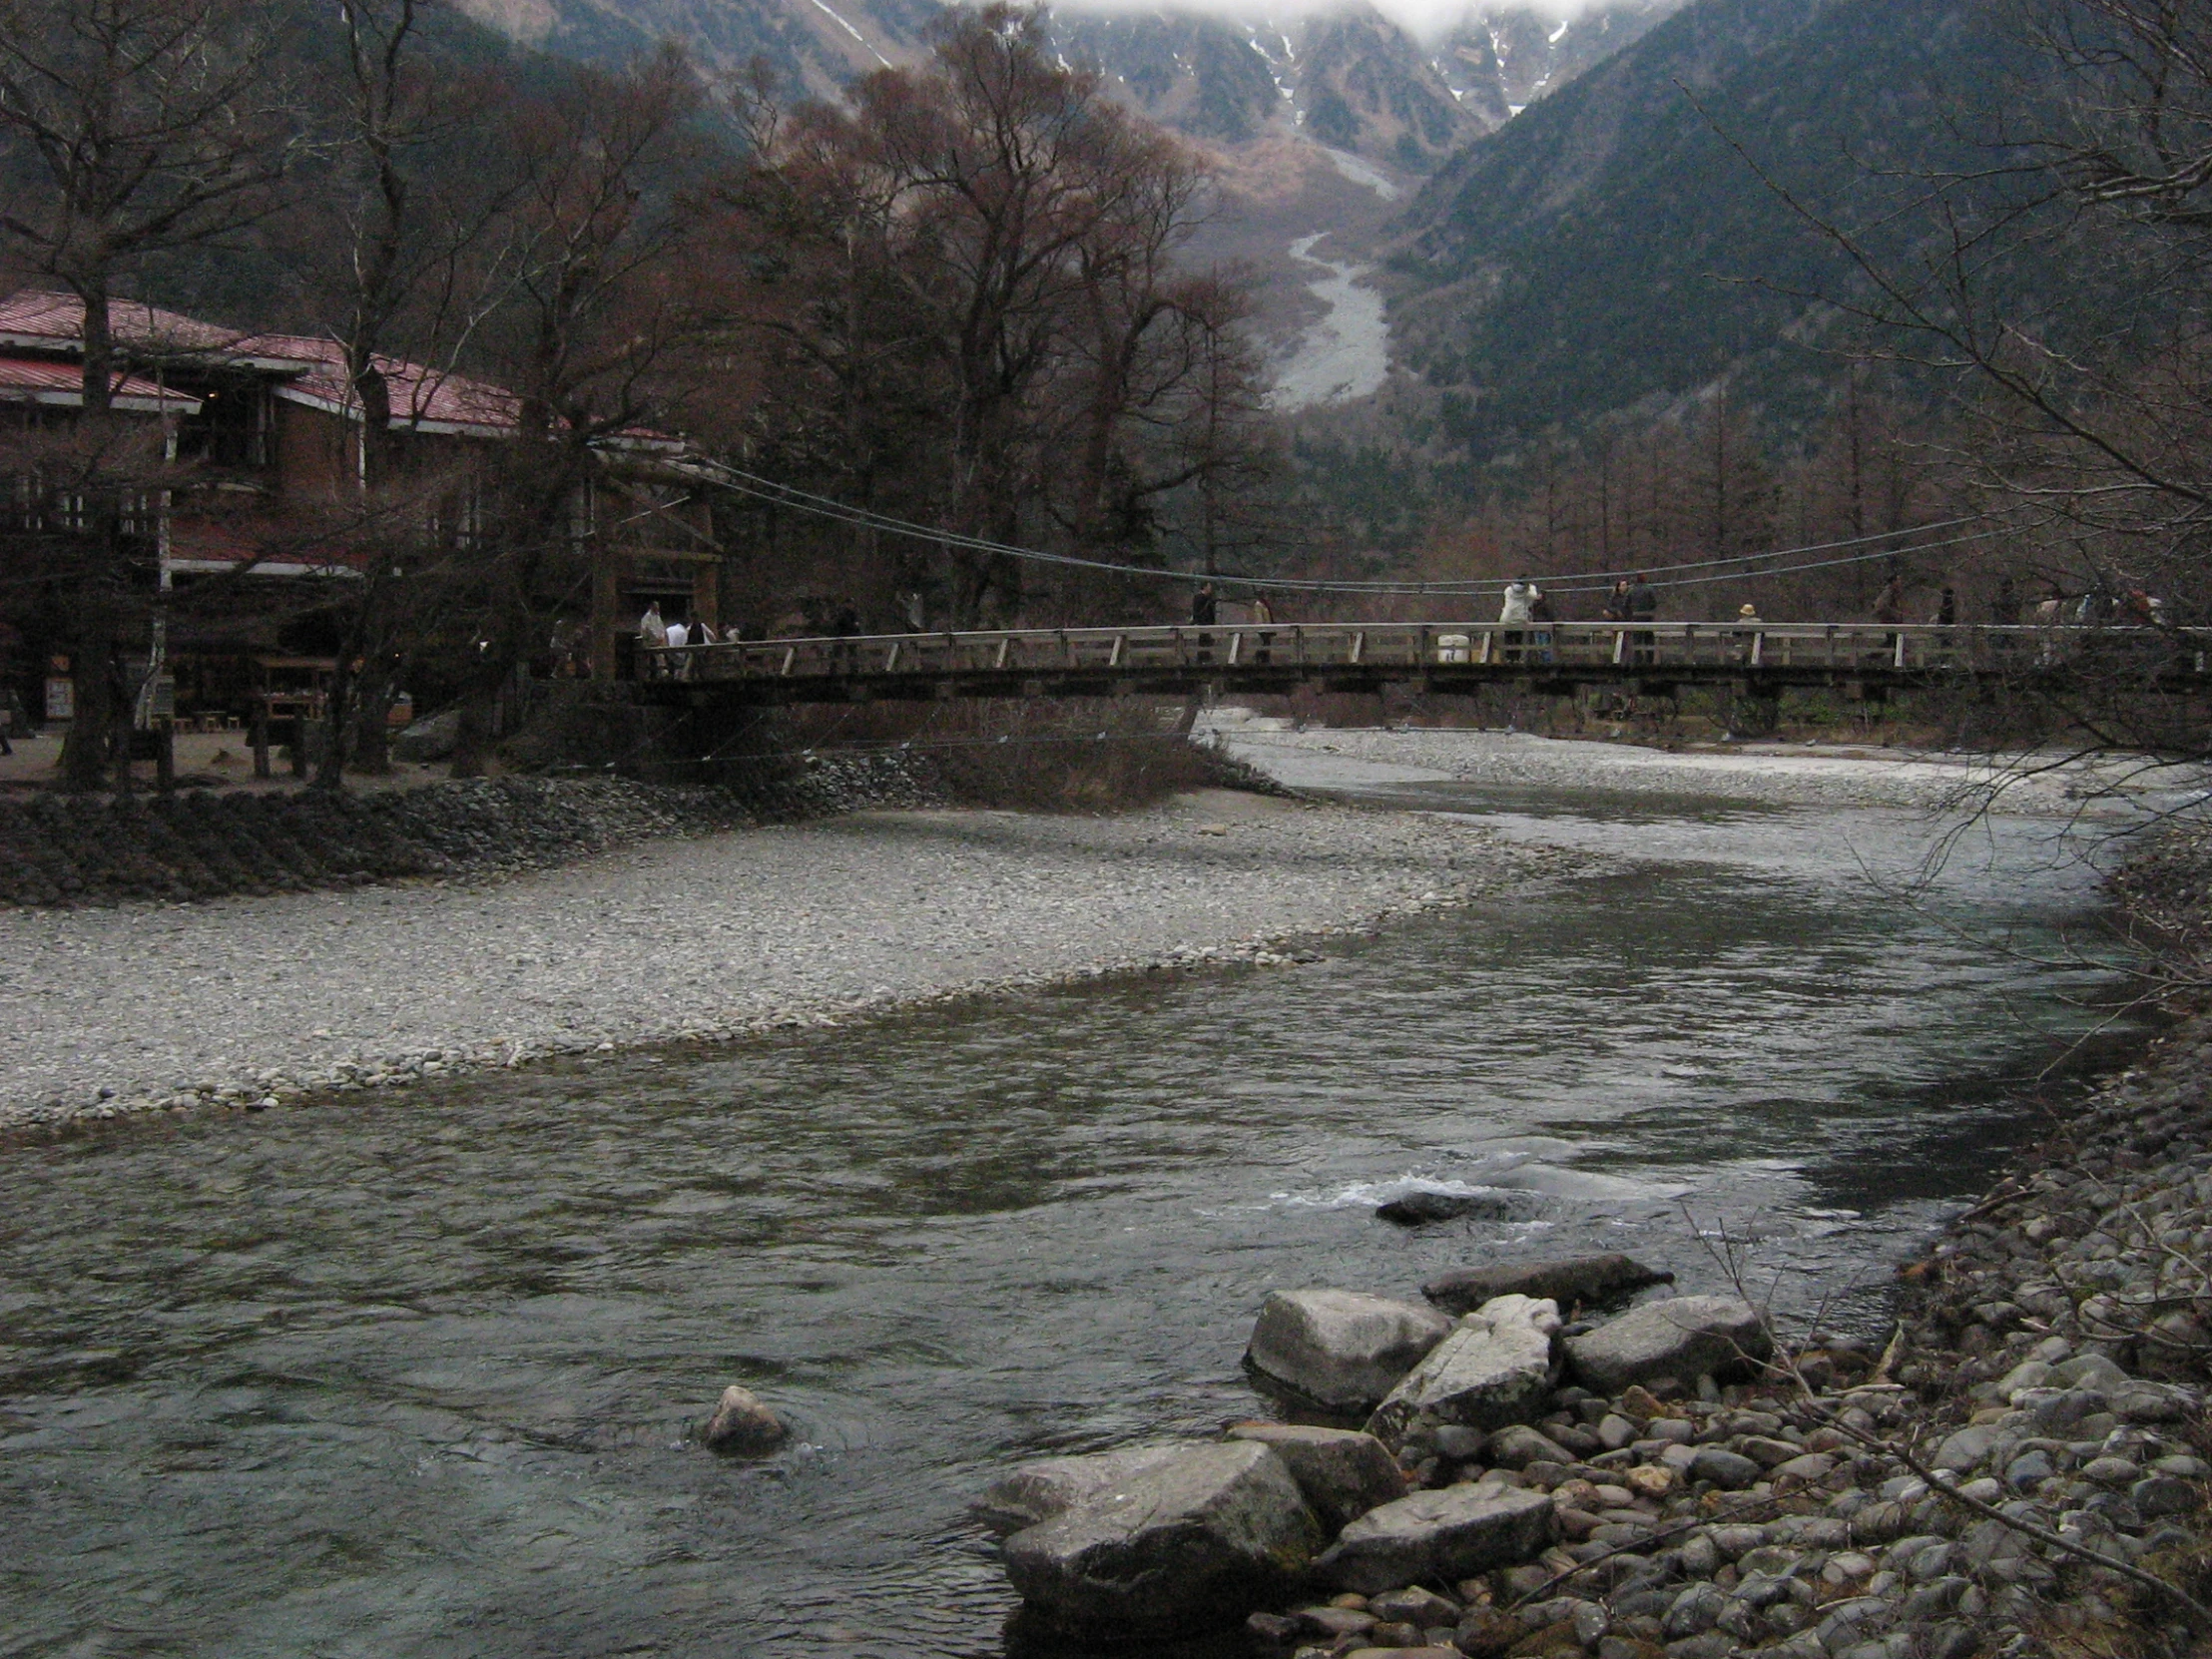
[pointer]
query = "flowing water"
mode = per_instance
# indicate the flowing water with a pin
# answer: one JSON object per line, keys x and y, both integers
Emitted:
{"x": 418, "y": 1375}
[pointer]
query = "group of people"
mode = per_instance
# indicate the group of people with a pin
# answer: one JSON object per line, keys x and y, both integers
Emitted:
{"x": 654, "y": 633}
{"x": 2100, "y": 603}
{"x": 1206, "y": 608}
{"x": 1631, "y": 599}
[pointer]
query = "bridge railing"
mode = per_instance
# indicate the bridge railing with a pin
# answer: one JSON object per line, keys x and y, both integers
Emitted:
{"x": 1538, "y": 647}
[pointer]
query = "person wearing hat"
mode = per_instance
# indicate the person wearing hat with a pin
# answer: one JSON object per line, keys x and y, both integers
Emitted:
{"x": 1746, "y": 618}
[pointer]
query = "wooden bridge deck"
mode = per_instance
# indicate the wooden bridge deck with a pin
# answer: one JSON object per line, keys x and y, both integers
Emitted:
{"x": 1760, "y": 658}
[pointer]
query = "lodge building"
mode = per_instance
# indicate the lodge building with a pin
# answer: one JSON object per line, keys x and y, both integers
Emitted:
{"x": 261, "y": 443}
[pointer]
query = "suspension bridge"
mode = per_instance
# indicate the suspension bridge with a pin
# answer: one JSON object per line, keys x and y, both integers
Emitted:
{"x": 1756, "y": 659}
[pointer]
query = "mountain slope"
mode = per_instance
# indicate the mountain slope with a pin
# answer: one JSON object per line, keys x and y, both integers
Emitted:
{"x": 1610, "y": 245}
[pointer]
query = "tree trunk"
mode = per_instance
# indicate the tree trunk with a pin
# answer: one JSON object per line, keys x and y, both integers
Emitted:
{"x": 91, "y": 666}
{"x": 329, "y": 771}
{"x": 123, "y": 709}
{"x": 373, "y": 727}
{"x": 472, "y": 739}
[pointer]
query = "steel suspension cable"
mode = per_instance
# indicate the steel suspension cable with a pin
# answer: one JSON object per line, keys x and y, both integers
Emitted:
{"x": 821, "y": 506}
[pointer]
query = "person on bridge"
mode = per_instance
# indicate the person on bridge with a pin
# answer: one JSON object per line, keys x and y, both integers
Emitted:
{"x": 1643, "y": 606}
{"x": 1617, "y": 603}
{"x": 1946, "y": 608}
{"x": 1203, "y": 608}
{"x": 1889, "y": 604}
{"x": 1517, "y": 612}
{"x": 2004, "y": 610}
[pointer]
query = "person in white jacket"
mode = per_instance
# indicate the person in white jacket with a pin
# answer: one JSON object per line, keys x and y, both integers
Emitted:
{"x": 1520, "y": 601}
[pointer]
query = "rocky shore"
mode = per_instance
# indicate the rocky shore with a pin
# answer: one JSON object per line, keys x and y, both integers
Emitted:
{"x": 2019, "y": 1471}
{"x": 246, "y": 1003}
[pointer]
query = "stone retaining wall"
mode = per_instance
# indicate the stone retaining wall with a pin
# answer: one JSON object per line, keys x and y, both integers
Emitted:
{"x": 86, "y": 850}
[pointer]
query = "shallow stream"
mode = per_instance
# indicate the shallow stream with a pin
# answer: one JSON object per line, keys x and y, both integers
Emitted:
{"x": 416, "y": 1374}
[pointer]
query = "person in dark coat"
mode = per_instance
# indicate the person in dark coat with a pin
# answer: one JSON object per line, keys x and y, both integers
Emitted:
{"x": 1204, "y": 606}
{"x": 1643, "y": 606}
{"x": 2004, "y": 610}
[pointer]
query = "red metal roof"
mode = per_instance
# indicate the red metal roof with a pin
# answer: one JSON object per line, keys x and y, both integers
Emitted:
{"x": 33, "y": 380}
{"x": 422, "y": 399}
{"x": 34, "y": 317}
{"x": 425, "y": 399}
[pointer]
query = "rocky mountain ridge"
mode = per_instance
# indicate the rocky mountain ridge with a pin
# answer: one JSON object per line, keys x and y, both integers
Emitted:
{"x": 1348, "y": 75}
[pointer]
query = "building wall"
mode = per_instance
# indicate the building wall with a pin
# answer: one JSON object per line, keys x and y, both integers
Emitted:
{"x": 314, "y": 452}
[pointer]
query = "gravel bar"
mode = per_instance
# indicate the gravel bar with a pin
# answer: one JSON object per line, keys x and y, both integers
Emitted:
{"x": 1764, "y": 773}
{"x": 253, "y": 1001}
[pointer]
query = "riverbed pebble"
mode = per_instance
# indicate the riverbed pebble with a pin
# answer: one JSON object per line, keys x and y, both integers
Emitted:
{"x": 237, "y": 1002}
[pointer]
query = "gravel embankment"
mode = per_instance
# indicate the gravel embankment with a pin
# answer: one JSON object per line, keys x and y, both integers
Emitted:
{"x": 64, "y": 849}
{"x": 2050, "y": 1375}
{"x": 2044, "y": 1396}
{"x": 249, "y": 1000}
{"x": 1757, "y": 773}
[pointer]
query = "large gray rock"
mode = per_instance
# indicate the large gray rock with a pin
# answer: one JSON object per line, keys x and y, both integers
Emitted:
{"x": 1343, "y": 1472}
{"x": 743, "y": 1424}
{"x": 1051, "y": 1486}
{"x": 1683, "y": 1338}
{"x": 1575, "y": 1279}
{"x": 430, "y": 739}
{"x": 1423, "y": 1205}
{"x": 1196, "y": 1539}
{"x": 1341, "y": 1349}
{"x": 1496, "y": 1367}
{"x": 1439, "y": 1537}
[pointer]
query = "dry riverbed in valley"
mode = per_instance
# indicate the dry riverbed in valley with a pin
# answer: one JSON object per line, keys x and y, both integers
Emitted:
{"x": 244, "y": 1001}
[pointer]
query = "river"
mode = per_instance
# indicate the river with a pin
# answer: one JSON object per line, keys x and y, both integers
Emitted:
{"x": 1346, "y": 354}
{"x": 416, "y": 1374}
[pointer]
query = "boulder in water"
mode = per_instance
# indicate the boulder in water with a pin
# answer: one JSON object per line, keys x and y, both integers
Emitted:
{"x": 1343, "y": 1472}
{"x": 1425, "y": 1204}
{"x": 1342, "y": 1350}
{"x": 1588, "y": 1280}
{"x": 742, "y": 1426}
{"x": 1198, "y": 1539}
{"x": 1038, "y": 1493}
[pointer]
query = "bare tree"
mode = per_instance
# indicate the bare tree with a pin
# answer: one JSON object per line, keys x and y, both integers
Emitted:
{"x": 602, "y": 296}
{"x": 129, "y": 129}
{"x": 410, "y": 253}
{"x": 972, "y": 280}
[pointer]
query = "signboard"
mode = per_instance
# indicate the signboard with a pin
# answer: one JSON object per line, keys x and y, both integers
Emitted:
{"x": 61, "y": 698}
